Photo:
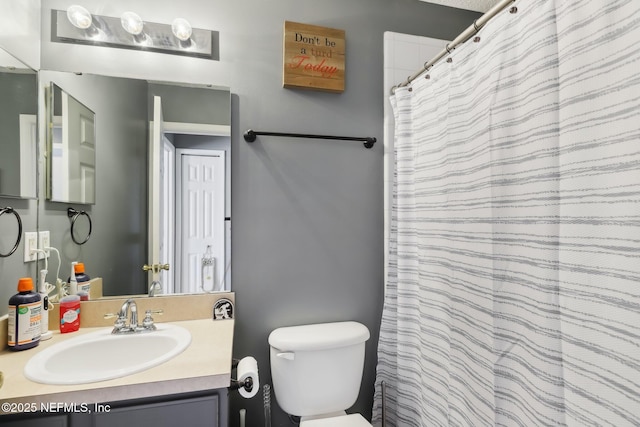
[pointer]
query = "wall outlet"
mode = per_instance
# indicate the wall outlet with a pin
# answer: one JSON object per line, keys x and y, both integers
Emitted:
{"x": 44, "y": 241}
{"x": 30, "y": 245}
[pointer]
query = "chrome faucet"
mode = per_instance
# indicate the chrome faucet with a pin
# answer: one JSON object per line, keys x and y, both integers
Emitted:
{"x": 130, "y": 306}
{"x": 120, "y": 326}
{"x": 154, "y": 287}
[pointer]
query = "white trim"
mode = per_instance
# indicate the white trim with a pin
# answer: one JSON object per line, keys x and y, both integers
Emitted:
{"x": 197, "y": 129}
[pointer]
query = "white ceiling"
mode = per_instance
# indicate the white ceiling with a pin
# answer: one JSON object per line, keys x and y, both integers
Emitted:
{"x": 477, "y": 5}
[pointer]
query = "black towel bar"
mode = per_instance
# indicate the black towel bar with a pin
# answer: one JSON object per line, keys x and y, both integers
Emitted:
{"x": 251, "y": 134}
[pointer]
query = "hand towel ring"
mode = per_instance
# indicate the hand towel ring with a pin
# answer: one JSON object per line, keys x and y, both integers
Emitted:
{"x": 74, "y": 215}
{"x": 9, "y": 209}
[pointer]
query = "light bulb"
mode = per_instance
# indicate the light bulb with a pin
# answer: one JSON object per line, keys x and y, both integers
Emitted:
{"x": 79, "y": 17}
{"x": 132, "y": 23}
{"x": 181, "y": 29}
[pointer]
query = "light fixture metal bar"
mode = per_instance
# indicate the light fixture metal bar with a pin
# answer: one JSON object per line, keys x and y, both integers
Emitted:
{"x": 108, "y": 32}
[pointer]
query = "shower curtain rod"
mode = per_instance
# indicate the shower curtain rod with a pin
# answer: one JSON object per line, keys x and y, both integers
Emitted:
{"x": 251, "y": 134}
{"x": 463, "y": 37}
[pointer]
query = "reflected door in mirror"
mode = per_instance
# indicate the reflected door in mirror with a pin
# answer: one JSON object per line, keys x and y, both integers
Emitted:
{"x": 201, "y": 217}
{"x": 72, "y": 150}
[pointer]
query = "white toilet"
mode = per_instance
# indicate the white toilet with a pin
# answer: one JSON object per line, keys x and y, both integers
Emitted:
{"x": 316, "y": 372}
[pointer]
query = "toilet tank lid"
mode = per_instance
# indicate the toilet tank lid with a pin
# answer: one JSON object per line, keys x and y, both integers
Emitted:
{"x": 320, "y": 336}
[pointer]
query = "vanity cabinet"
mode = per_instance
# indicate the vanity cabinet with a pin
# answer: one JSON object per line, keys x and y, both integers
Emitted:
{"x": 41, "y": 421}
{"x": 206, "y": 409}
{"x": 202, "y": 411}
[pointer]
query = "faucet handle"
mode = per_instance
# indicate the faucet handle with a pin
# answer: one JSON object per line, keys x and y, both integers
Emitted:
{"x": 120, "y": 322}
{"x": 147, "y": 322}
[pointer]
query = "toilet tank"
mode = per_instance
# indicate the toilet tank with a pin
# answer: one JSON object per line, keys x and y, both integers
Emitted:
{"x": 317, "y": 369}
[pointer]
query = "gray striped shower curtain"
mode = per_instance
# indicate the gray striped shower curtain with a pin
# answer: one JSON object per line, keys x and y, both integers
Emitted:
{"x": 513, "y": 293}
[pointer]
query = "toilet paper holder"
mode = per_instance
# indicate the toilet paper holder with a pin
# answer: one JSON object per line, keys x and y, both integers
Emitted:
{"x": 247, "y": 384}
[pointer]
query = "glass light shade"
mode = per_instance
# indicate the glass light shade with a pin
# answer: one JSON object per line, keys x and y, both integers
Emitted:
{"x": 79, "y": 17}
{"x": 132, "y": 23}
{"x": 181, "y": 29}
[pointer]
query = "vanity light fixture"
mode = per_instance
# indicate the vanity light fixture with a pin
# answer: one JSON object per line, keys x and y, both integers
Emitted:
{"x": 181, "y": 28}
{"x": 79, "y": 17}
{"x": 78, "y": 26}
{"x": 132, "y": 23}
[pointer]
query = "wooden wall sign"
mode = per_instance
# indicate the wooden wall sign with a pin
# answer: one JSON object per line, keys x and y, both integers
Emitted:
{"x": 313, "y": 57}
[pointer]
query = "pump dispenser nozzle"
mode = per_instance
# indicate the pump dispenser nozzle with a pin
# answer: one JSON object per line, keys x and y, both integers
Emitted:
{"x": 73, "y": 283}
{"x": 45, "y": 333}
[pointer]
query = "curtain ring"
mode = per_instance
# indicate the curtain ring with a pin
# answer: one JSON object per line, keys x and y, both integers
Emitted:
{"x": 447, "y": 48}
{"x": 9, "y": 209}
{"x": 475, "y": 25}
{"x": 74, "y": 215}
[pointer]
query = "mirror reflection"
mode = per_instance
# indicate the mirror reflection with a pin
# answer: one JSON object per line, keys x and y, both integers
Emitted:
{"x": 162, "y": 194}
{"x": 18, "y": 128}
{"x": 71, "y": 149}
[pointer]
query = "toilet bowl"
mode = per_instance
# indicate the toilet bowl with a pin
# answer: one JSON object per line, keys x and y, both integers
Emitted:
{"x": 317, "y": 370}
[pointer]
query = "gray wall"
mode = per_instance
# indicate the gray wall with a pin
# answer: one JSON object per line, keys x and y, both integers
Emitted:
{"x": 178, "y": 102}
{"x": 307, "y": 215}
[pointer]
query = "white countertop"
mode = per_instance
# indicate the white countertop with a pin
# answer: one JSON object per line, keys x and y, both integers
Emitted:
{"x": 204, "y": 365}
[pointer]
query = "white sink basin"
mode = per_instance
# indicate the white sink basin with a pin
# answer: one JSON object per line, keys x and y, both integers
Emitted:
{"x": 100, "y": 356}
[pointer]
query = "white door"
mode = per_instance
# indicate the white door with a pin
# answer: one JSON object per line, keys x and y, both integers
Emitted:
{"x": 79, "y": 136}
{"x": 202, "y": 220}
{"x": 167, "y": 213}
{"x": 160, "y": 217}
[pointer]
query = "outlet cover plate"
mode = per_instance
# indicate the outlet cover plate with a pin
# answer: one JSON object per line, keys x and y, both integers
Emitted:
{"x": 30, "y": 245}
{"x": 44, "y": 241}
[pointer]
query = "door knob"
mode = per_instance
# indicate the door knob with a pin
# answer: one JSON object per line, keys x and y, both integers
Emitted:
{"x": 155, "y": 267}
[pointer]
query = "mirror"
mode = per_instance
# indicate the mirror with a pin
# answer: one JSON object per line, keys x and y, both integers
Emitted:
{"x": 18, "y": 128}
{"x": 71, "y": 149}
{"x": 162, "y": 186}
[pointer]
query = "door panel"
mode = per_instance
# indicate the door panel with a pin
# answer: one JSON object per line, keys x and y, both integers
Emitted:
{"x": 202, "y": 221}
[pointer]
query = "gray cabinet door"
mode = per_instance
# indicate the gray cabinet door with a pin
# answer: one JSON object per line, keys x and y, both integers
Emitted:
{"x": 193, "y": 412}
{"x": 45, "y": 421}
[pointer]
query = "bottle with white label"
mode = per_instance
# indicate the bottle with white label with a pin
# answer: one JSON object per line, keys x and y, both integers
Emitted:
{"x": 25, "y": 314}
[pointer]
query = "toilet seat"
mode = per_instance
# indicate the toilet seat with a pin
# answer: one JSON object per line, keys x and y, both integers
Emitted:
{"x": 352, "y": 420}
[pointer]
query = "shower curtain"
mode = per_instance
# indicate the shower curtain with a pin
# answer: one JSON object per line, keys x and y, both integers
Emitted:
{"x": 513, "y": 293}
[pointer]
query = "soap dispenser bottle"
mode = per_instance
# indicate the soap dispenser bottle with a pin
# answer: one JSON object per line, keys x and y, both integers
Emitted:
{"x": 45, "y": 333}
{"x": 24, "y": 317}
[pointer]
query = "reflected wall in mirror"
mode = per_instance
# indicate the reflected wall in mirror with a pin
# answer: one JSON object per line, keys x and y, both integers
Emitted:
{"x": 156, "y": 190}
{"x": 18, "y": 128}
{"x": 71, "y": 149}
